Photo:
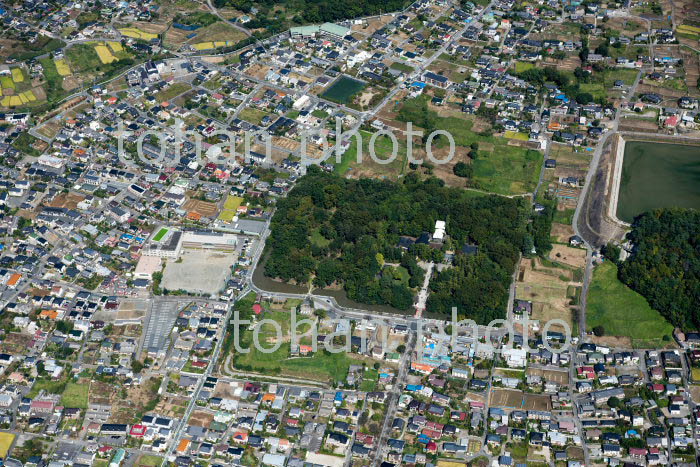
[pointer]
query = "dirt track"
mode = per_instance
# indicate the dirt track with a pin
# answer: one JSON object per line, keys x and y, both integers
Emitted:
{"x": 597, "y": 229}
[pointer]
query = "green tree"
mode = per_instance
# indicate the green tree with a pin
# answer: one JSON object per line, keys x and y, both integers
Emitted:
{"x": 463, "y": 170}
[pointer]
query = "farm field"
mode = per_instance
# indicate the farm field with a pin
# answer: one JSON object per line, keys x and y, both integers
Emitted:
{"x": 552, "y": 287}
{"x": 6, "y": 440}
{"x": 622, "y": 311}
{"x": 62, "y": 67}
{"x": 136, "y": 33}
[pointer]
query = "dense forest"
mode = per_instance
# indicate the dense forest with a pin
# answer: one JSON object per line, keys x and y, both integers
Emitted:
{"x": 665, "y": 264}
{"x": 308, "y": 11}
{"x": 334, "y": 231}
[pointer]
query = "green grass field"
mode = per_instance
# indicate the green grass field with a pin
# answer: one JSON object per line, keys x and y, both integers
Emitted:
{"x": 401, "y": 67}
{"x": 54, "y": 80}
{"x": 321, "y": 366}
{"x": 159, "y": 236}
{"x": 383, "y": 148}
{"x": 75, "y": 395}
{"x": 565, "y": 216}
{"x": 369, "y": 380}
{"x": 523, "y": 66}
{"x": 149, "y": 460}
{"x": 83, "y": 57}
{"x": 622, "y": 311}
{"x": 173, "y": 91}
{"x": 47, "y": 385}
{"x": 252, "y": 115}
{"x": 501, "y": 167}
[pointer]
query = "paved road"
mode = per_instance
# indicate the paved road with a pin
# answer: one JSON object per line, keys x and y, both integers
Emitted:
{"x": 580, "y": 223}
{"x": 393, "y": 400}
{"x": 232, "y": 23}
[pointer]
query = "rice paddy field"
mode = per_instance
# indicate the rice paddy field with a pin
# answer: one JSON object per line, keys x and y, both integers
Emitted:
{"x": 62, "y": 67}
{"x": 16, "y": 89}
{"x": 17, "y": 75}
{"x": 20, "y": 99}
{"x": 213, "y": 45}
{"x": 6, "y": 440}
{"x": 136, "y": 33}
{"x": 105, "y": 54}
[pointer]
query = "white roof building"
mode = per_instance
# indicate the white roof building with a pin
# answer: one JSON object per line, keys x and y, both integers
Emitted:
{"x": 439, "y": 231}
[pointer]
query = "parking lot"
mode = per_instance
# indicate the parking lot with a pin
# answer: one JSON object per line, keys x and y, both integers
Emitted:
{"x": 160, "y": 323}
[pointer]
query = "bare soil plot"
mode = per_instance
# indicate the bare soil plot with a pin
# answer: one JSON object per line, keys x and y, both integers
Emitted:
{"x": 575, "y": 257}
{"x": 537, "y": 402}
{"x": 172, "y": 406}
{"x": 370, "y": 27}
{"x": 101, "y": 393}
{"x": 66, "y": 200}
{"x": 638, "y": 125}
{"x": 203, "y": 208}
{"x": 570, "y": 63}
{"x": 224, "y": 390}
{"x": 613, "y": 341}
{"x": 277, "y": 155}
{"x": 50, "y": 129}
{"x": 15, "y": 343}
{"x": 562, "y": 232}
{"x": 199, "y": 271}
{"x": 695, "y": 393}
{"x": 506, "y": 398}
{"x": 201, "y": 418}
{"x": 560, "y": 377}
{"x": 257, "y": 70}
{"x": 550, "y": 289}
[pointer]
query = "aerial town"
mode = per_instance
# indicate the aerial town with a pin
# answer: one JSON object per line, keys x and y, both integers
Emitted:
{"x": 202, "y": 202}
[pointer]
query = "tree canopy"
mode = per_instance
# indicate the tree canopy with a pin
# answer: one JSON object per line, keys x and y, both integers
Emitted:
{"x": 331, "y": 230}
{"x": 664, "y": 265}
